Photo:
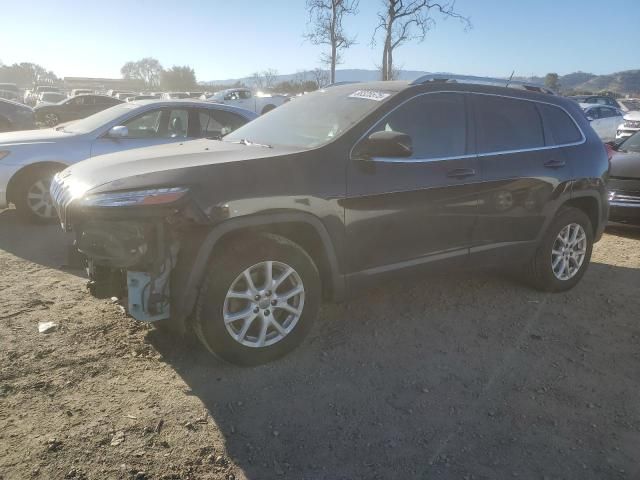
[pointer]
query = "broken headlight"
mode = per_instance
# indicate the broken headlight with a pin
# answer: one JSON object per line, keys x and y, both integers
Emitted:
{"x": 154, "y": 196}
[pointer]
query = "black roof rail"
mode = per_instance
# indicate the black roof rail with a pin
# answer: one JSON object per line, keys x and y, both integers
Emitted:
{"x": 498, "y": 82}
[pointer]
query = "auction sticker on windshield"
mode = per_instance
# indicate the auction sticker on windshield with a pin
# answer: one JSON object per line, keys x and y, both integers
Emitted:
{"x": 370, "y": 95}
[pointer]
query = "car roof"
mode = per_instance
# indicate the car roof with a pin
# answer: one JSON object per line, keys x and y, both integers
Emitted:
{"x": 17, "y": 104}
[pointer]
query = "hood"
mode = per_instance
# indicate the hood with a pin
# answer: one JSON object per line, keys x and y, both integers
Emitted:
{"x": 162, "y": 164}
{"x": 625, "y": 165}
{"x": 29, "y": 137}
{"x": 633, "y": 116}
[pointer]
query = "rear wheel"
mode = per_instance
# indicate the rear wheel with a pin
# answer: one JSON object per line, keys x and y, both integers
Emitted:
{"x": 259, "y": 301}
{"x": 564, "y": 253}
{"x": 51, "y": 120}
{"x": 32, "y": 198}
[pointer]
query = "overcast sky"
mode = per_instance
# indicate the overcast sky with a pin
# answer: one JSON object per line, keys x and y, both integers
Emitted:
{"x": 229, "y": 39}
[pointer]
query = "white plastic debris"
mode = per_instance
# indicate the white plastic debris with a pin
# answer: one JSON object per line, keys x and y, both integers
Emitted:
{"x": 47, "y": 327}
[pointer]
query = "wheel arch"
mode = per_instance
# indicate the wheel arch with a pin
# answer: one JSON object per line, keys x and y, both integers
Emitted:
{"x": 301, "y": 228}
{"x": 590, "y": 205}
{"x": 27, "y": 170}
{"x": 267, "y": 108}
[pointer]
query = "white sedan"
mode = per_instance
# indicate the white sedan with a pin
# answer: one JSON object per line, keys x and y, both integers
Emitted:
{"x": 29, "y": 159}
{"x": 630, "y": 125}
{"x": 604, "y": 119}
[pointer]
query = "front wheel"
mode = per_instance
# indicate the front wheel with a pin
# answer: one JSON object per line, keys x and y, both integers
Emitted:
{"x": 563, "y": 255}
{"x": 259, "y": 300}
{"x": 32, "y": 198}
{"x": 51, "y": 120}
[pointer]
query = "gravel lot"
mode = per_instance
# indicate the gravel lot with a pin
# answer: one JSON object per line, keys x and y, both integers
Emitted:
{"x": 462, "y": 376}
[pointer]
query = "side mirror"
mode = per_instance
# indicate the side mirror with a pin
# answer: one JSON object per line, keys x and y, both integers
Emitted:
{"x": 590, "y": 118}
{"x": 387, "y": 144}
{"x": 119, "y": 131}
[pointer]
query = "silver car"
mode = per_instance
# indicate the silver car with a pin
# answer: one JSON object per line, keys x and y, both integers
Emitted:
{"x": 29, "y": 159}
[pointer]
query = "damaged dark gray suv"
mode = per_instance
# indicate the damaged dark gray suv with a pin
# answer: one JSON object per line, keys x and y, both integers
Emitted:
{"x": 240, "y": 239}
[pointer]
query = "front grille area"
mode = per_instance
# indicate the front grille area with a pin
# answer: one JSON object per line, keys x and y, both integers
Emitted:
{"x": 62, "y": 197}
{"x": 624, "y": 199}
{"x": 632, "y": 124}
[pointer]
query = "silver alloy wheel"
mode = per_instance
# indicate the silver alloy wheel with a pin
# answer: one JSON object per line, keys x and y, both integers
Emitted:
{"x": 263, "y": 304}
{"x": 51, "y": 119}
{"x": 568, "y": 251}
{"x": 39, "y": 199}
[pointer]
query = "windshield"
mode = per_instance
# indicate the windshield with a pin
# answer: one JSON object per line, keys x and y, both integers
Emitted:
{"x": 97, "y": 120}
{"x": 631, "y": 144}
{"x": 314, "y": 119}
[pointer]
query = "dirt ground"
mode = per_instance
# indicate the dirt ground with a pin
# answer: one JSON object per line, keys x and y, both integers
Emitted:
{"x": 465, "y": 376}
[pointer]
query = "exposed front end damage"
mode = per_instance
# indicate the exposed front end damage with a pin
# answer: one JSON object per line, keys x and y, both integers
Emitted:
{"x": 132, "y": 259}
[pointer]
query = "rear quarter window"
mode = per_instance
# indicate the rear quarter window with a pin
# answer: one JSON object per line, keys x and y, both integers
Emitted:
{"x": 505, "y": 124}
{"x": 560, "y": 126}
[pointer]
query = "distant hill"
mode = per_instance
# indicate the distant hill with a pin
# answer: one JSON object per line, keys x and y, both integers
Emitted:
{"x": 626, "y": 82}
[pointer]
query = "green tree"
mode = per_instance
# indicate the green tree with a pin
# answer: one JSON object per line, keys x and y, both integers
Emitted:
{"x": 552, "y": 81}
{"x": 178, "y": 78}
{"x": 148, "y": 70}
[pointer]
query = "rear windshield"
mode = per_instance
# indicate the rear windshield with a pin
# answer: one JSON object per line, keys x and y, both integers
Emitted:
{"x": 314, "y": 119}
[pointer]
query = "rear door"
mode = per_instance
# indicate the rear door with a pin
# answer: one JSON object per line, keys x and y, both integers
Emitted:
{"x": 522, "y": 172}
{"x": 154, "y": 127}
{"x": 402, "y": 212}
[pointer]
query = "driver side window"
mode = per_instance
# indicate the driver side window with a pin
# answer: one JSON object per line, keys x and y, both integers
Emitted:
{"x": 435, "y": 122}
{"x": 146, "y": 125}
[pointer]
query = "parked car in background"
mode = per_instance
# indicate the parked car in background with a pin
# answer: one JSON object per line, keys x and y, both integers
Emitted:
{"x": 630, "y": 125}
{"x": 124, "y": 95}
{"x": 175, "y": 95}
{"x": 9, "y": 95}
{"x": 604, "y": 119}
{"x": 335, "y": 190}
{"x": 10, "y": 91}
{"x": 624, "y": 181}
{"x": 629, "y": 104}
{"x": 599, "y": 99}
{"x": 141, "y": 97}
{"x": 81, "y": 91}
{"x": 50, "y": 98}
{"x": 73, "y": 108}
{"x": 15, "y": 116}
{"x": 28, "y": 160}
{"x": 195, "y": 94}
{"x": 244, "y": 98}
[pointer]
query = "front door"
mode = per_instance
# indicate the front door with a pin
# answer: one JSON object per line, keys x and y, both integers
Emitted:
{"x": 155, "y": 127}
{"x": 403, "y": 212}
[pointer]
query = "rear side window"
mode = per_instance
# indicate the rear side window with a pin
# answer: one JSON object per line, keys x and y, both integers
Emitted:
{"x": 560, "y": 126}
{"x": 505, "y": 124}
{"x": 218, "y": 123}
{"x": 435, "y": 122}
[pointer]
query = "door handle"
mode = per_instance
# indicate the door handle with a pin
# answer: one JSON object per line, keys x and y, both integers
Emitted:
{"x": 461, "y": 173}
{"x": 555, "y": 164}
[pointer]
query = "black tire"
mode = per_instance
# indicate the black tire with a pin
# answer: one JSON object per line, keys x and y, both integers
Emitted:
{"x": 26, "y": 207}
{"x": 51, "y": 119}
{"x": 231, "y": 260}
{"x": 540, "y": 272}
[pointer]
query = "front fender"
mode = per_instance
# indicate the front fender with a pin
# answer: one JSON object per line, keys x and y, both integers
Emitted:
{"x": 190, "y": 271}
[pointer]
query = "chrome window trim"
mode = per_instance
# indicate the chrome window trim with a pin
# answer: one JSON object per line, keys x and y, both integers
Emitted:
{"x": 582, "y": 140}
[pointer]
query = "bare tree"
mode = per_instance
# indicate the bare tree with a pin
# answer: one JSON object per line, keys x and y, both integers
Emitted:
{"x": 257, "y": 80}
{"x": 405, "y": 20}
{"x": 269, "y": 77}
{"x": 326, "y": 17}
{"x": 320, "y": 77}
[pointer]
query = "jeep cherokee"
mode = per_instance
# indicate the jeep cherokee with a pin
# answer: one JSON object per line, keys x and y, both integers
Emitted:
{"x": 240, "y": 239}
